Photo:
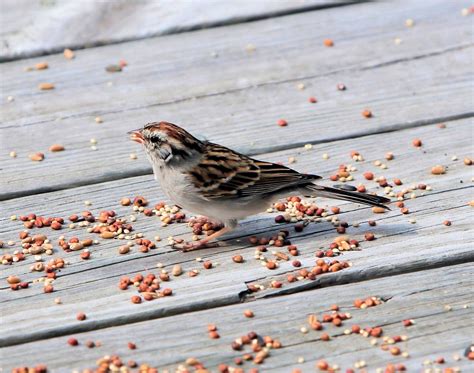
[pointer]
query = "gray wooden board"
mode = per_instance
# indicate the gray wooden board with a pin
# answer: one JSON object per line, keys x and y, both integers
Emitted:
{"x": 238, "y": 98}
{"x": 32, "y": 28}
{"x": 91, "y": 286}
{"x": 166, "y": 343}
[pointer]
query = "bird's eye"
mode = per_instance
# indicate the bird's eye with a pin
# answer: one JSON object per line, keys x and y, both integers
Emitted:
{"x": 155, "y": 139}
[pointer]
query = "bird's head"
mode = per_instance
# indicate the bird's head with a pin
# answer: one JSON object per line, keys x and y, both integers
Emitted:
{"x": 166, "y": 142}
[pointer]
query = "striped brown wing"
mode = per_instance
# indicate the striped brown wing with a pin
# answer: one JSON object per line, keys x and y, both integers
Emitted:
{"x": 223, "y": 173}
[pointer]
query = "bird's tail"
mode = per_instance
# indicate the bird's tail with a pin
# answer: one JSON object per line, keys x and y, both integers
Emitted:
{"x": 366, "y": 199}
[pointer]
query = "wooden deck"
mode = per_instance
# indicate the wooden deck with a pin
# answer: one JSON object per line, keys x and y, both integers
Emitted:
{"x": 228, "y": 74}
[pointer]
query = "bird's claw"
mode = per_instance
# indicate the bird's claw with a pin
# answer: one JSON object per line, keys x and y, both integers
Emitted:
{"x": 191, "y": 246}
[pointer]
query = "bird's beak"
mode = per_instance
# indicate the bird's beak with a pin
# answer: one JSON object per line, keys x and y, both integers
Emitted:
{"x": 136, "y": 136}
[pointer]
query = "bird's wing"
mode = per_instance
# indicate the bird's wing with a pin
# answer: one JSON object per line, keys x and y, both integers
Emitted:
{"x": 224, "y": 173}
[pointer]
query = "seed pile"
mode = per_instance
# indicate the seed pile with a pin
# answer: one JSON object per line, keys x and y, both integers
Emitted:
{"x": 147, "y": 286}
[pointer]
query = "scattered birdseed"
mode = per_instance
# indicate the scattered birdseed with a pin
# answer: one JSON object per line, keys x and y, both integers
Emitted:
{"x": 301, "y": 86}
{"x": 328, "y": 43}
{"x": 438, "y": 170}
{"x": 282, "y": 122}
{"x": 409, "y": 22}
{"x": 56, "y": 148}
{"x": 46, "y": 86}
{"x": 36, "y": 157}
{"x": 248, "y": 313}
{"x": 113, "y": 68}
{"x": 41, "y": 66}
{"x": 133, "y": 156}
{"x": 93, "y": 141}
{"x": 250, "y": 48}
{"x": 98, "y": 120}
{"x": 68, "y": 54}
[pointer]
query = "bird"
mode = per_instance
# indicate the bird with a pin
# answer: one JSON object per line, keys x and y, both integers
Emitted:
{"x": 222, "y": 184}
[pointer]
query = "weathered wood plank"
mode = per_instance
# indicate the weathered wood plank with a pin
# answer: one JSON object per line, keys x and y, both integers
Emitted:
{"x": 165, "y": 343}
{"x": 245, "y": 117}
{"x": 43, "y": 27}
{"x": 91, "y": 286}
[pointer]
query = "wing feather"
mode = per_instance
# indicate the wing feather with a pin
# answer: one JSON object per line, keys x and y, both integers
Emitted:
{"x": 224, "y": 173}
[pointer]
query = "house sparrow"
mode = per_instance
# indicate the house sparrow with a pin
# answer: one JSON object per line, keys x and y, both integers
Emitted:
{"x": 212, "y": 180}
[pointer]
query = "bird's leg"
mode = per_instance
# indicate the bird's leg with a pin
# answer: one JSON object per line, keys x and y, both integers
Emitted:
{"x": 204, "y": 243}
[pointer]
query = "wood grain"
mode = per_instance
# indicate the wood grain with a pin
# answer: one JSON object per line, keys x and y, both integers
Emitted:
{"x": 167, "y": 342}
{"x": 236, "y": 99}
{"x": 31, "y": 28}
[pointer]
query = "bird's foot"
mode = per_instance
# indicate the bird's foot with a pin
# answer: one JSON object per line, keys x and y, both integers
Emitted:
{"x": 191, "y": 246}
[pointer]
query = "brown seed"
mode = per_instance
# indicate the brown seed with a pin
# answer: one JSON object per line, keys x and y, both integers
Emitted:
{"x": 207, "y": 264}
{"x": 41, "y": 66}
{"x": 369, "y": 175}
{"x": 140, "y": 201}
{"x": 56, "y": 148}
{"x": 214, "y": 335}
{"x": 468, "y": 161}
{"x": 447, "y": 223}
{"x": 107, "y": 235}
{"x": 407, "y": 323}
{"x": 248, "y": 313}
{"x": 312, "y": 100}
{"x": 136, "y": 299}
{"x": 177, "y": 270}
{"x": 46, "y": 86}
{"x": 367, "y": 113}
{"x": 395, "y": 351}
{"x": 87, "y": 242}
{"x": 438, "y": 170}
{"x": 69, "y": 54}
{"x": 378, "y": 210}
{"x": 75, "y": 246}
{"x": 369, "y": 236}
{"x": 72, "y": 342}
{"x": 13, "y": 279}
{"x": 328, "y": 43}
{"x": 325, "y": 337}
{"x": 125, "y": 249}
{"x": 90, "y": 344}
{"x": 81, "y": 316}
{"x": 417, "y": 143}
{"x": 125, "y": 201}
{"x": 282, "y": 122}
{"x": 113, "y": 68}
{"x": 131, "y": 345}
{"x": 271, "y": 264}
{"x": 85, "y": 255}
{"x": 48, "y": 289}
{"x": 37, "y": 157}
{"x": 322, "y": 365}
{"x": 238, "y": 258}
{"x": 389, "y": 156}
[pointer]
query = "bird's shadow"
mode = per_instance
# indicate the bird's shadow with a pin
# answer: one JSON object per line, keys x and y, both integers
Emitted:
{"x": 264, "y": 227}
